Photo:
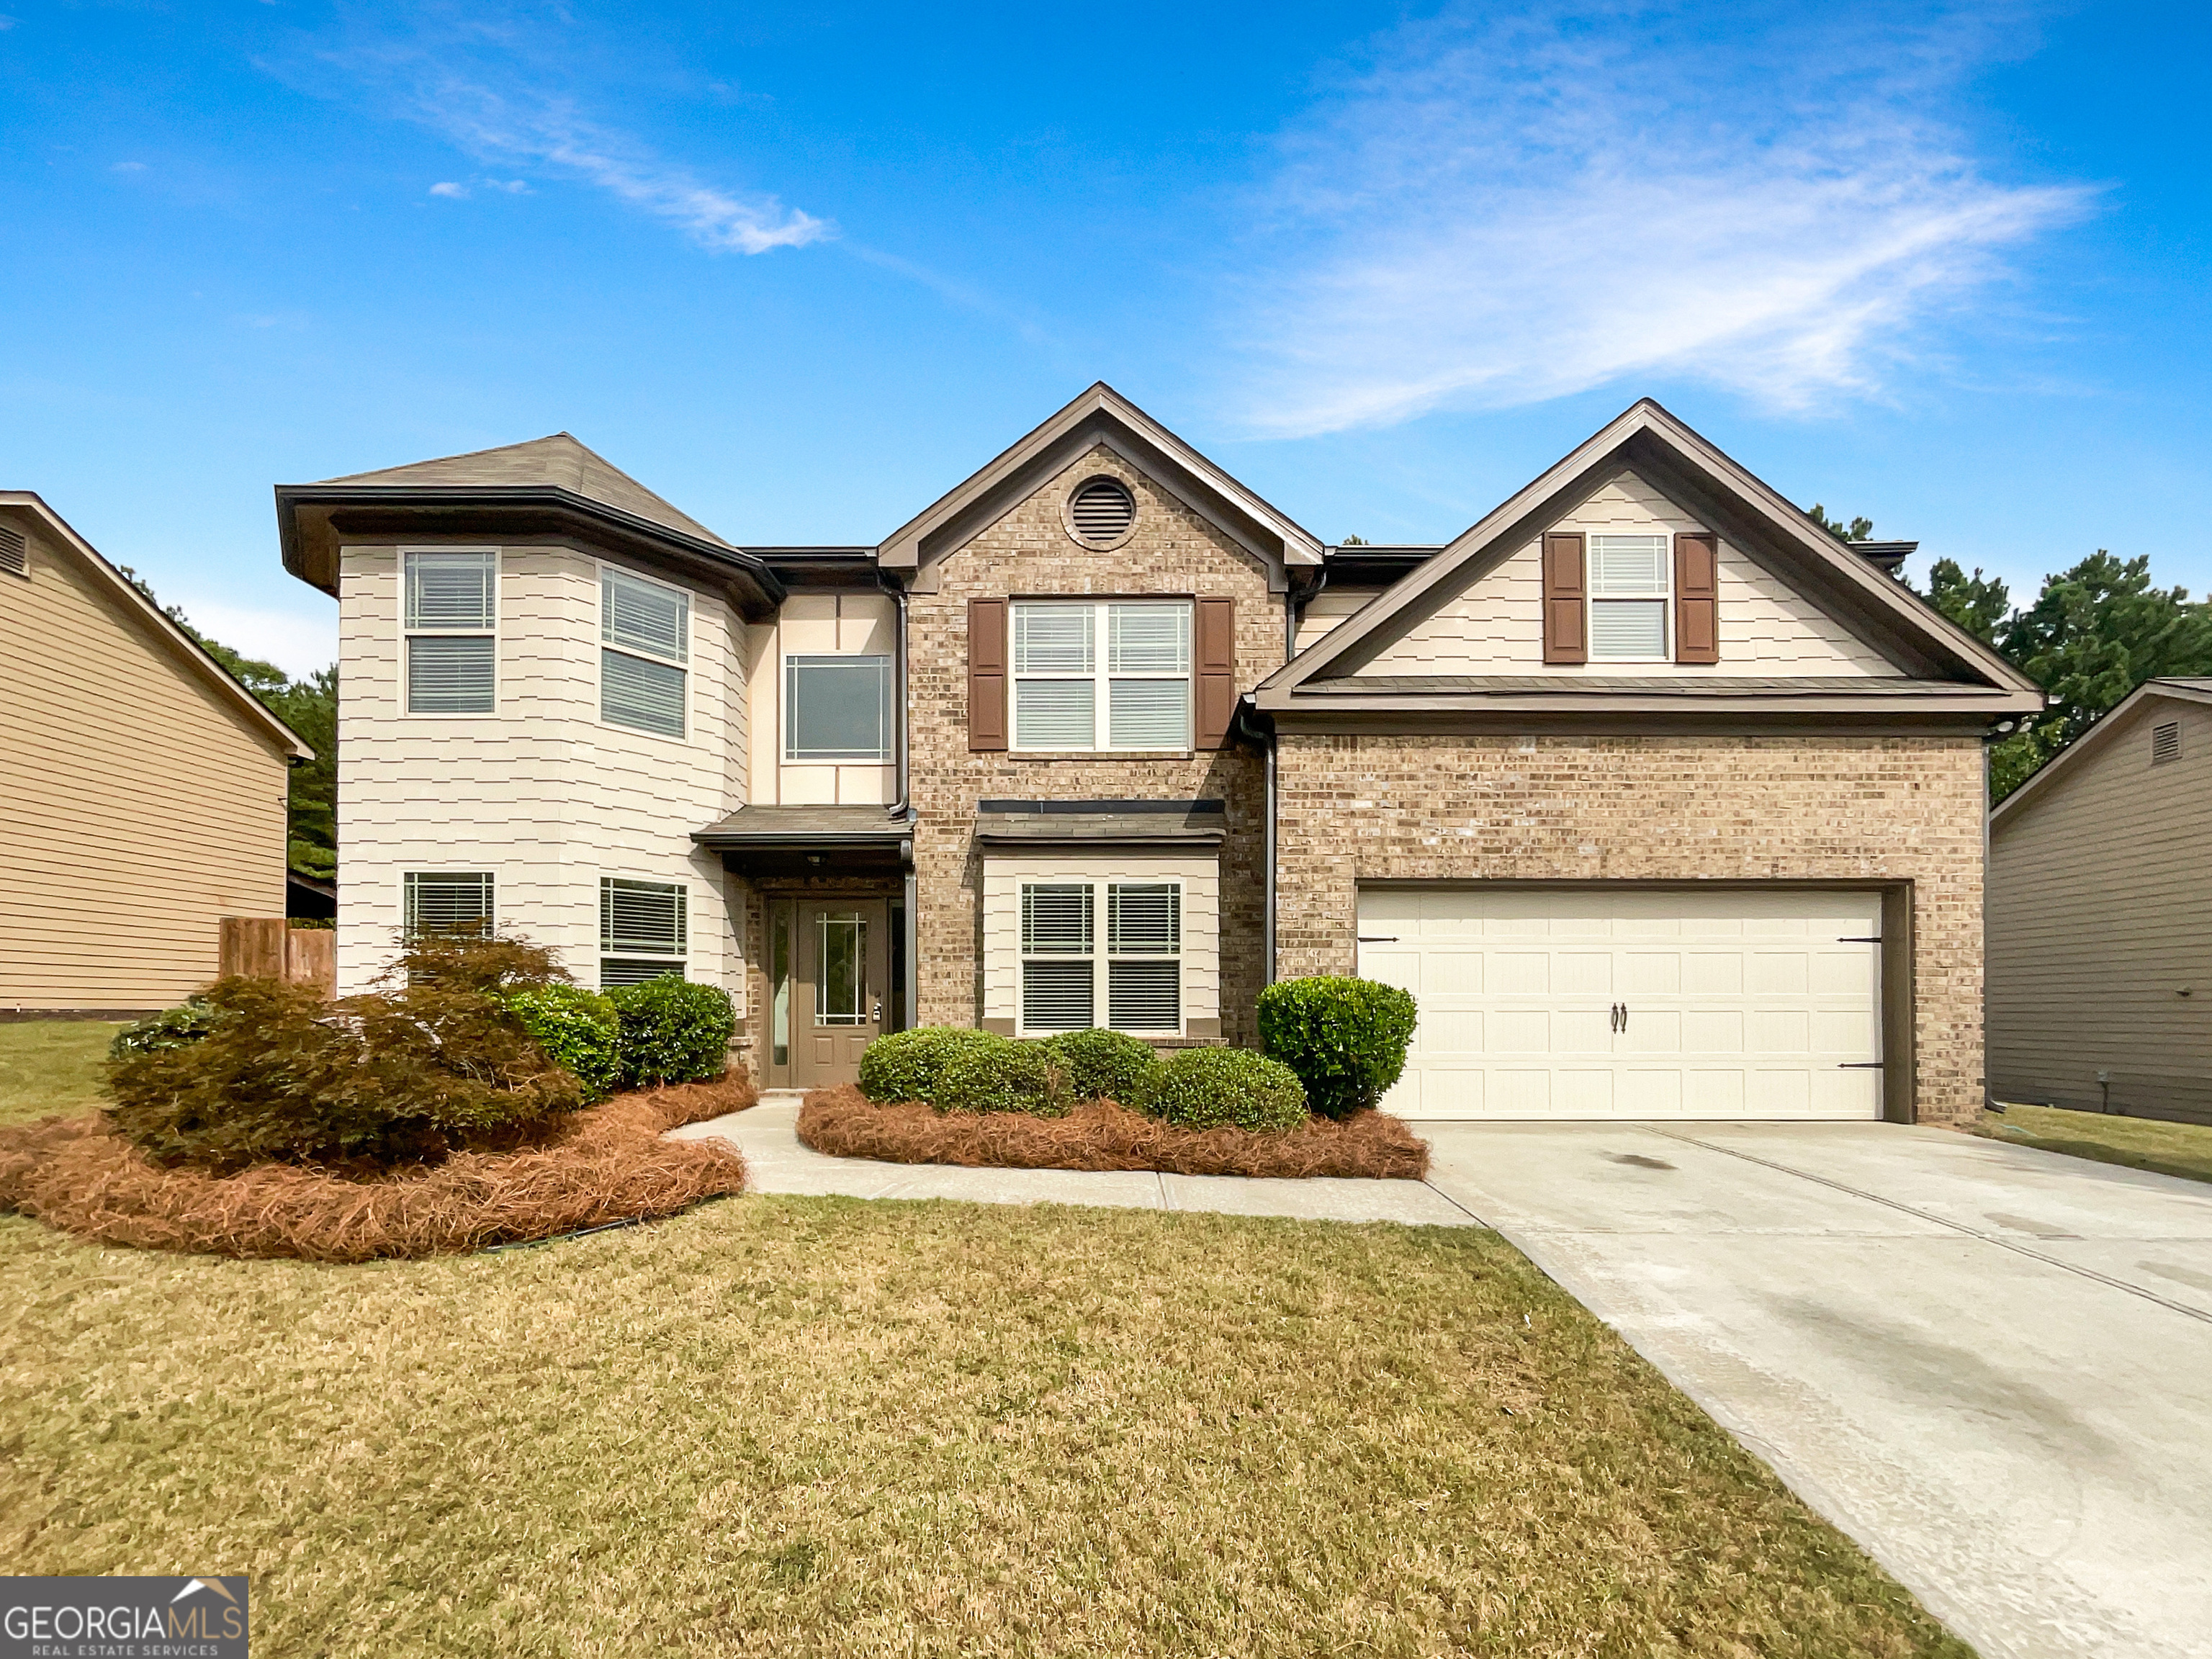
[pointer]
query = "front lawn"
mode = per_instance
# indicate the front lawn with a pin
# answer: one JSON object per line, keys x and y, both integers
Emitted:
{"x": 48, "y": 1065}
{"x": 2141, "y": 1142}
{"x": 810, "y": 1426}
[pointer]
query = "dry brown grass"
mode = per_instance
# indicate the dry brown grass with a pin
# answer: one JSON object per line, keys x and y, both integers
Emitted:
{"x": 605, "y": 1163}
{"x": 1101, "y": 1135}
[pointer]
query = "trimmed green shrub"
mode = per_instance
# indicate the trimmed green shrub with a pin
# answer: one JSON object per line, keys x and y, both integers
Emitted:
{"x": 282, "y": 1074}
{"x": 172, "y": 1028}
{"x": 1101, "y": 1065}
{"x": 1001, "y": 1075}
{"x": 673, "y": 1031}
{"x": 906, "y": 1064}
{"x": 1345, "y": 1037}
{"x": 1224, "y": 1088}
{"x": 578, "y": 1030}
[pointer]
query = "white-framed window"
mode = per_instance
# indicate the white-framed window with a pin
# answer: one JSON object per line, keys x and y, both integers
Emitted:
{"x": 1102, "y": 674}
{"x": 643, "y": 930}
{"x": 449, "y": 619}
{"x": 1631, "y": 588}
{"x": 1101, "y": 953}
{"x": 837, "y": 709}
{"x": 645, "y": 635}
{"x": 446, "y": 901}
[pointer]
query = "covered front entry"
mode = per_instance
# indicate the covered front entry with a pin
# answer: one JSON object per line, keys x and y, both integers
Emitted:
{"x": 1618, "y": 1000}
{"x": 831, "y": 986}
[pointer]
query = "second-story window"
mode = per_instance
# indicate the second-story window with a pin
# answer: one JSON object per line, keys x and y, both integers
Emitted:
{"x": 837, "y": 709}
{"x": 645, "y": 633}
{"x": 449, "y": 612}
{"x": 1103, "y": 674}
{"x": 1628, "y": 595}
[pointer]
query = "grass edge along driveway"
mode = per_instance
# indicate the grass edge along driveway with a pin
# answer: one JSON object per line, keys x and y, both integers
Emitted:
{"x": 2138, "y": 1143}
{"x": 827, "y": 1426}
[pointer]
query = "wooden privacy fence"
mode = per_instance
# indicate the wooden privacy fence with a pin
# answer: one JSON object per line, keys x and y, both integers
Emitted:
{"x": 270, "y": 947}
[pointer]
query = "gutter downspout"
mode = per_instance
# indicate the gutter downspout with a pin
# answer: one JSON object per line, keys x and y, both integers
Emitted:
{"x": 910, "y": 944}
{"x": 1268, "y": 856}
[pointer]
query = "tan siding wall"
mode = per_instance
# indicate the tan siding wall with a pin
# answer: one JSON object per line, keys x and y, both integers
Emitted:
{"x": 1651, "y": 809}
{"x": 137, "y": 808}
{"x": 816, "y": 624}
{"x": 1496, "y": 626}
{"x": 1330, "y": 606}
{"x": 543, "y": 794}
{"x": 1173, "y": 550}
{"x": 2100, "y": 910}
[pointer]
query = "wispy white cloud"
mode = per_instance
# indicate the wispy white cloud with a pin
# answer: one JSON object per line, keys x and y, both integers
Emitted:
{"x": 450, "y": 191}
{"x": 1503, "y": 209}
{"x": 485, "y": 79}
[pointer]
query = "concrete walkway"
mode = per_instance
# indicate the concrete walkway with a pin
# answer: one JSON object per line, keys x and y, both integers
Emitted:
{"x": 778, "y": 1162}
{"x": 1991, "y": 1365}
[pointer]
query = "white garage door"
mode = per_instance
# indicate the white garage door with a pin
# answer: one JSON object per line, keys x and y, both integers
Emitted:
{"x": 1632, "y": 1003}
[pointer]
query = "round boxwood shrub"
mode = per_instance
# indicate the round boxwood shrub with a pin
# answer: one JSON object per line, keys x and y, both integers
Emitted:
{"x": 906, "y": 1064}
{"x": 1225, "y": 1088}
{"x": 673, "y": 1031}
{"x": 1345, "y": 1037}
{"x": 1101, "y": 1065}
{"x": 172, "y": 1028}
{"x": 1001, "y": 1075}
{"x": 578, "y": 1030}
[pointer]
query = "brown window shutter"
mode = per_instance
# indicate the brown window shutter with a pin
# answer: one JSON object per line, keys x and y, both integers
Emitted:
{"x": 1566, "y": 621}
{"x": 1213, "y": 664}
{"x": 986, "y": 674}
{"x": 1697, "y": 598}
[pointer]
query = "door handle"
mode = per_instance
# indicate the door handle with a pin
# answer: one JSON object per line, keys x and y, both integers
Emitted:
{"x": 1618, "y": 1016}
{"x": 879, "y": 1012}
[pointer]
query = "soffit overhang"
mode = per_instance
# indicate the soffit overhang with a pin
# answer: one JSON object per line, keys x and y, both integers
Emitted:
{"x": 1919, "y": 640}
{"x": 315, "y": 520}
{"x": 1100, "y": 416}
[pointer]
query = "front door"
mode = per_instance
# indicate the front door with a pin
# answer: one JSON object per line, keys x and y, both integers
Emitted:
{"x": 839, "y": 988}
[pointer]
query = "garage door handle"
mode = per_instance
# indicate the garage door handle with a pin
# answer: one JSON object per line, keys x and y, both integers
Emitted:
{"x": 1859, "y": 1065}
{"x": 1378, "y": 938}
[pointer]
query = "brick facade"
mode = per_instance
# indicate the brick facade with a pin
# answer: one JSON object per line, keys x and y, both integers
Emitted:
{"x": 1029, "y": 553}
{"x": 1657, "y": 808}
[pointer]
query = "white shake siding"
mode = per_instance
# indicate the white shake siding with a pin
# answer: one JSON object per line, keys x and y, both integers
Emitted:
{"x": 1496, "y": 626}
{"x": 541, "y": 794}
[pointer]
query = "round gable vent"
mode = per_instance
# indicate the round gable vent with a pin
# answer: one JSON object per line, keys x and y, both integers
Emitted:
{"x": 1102, "y": 512}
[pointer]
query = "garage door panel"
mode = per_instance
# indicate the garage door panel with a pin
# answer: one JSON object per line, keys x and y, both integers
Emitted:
{"x": 1627, "y": 1002}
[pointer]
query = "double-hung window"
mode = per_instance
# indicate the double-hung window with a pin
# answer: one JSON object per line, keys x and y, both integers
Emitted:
{"x": 836, "y": 708}
{"x": 1629, "y": 590}
{"x": 641, "y": 930}
{"x": 1102, "y": 674}
{"x": 450, "y": 612}
{"x": 445, "y": 902}
{"x": 645, "y": 635}
{"x": 1134, "y": 958}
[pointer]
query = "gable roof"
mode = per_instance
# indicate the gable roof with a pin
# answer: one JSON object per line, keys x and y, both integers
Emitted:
{"x": 250, "y": 709}
{"x": 1936, "y": 654}
{"x": 559, "y": 462}
{"x": 549, "y": 486}
{"x": 1102, "y": 415}
{"x": 2100, "y": 735}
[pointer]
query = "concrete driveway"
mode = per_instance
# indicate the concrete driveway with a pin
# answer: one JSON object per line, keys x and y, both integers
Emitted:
{"x": 1991, "y": 1365}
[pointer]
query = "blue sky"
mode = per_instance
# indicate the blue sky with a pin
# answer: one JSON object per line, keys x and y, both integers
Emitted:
{"x": 800, "y": 269}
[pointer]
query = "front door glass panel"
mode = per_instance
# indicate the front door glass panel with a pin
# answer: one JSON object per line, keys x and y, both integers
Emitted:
{"x": 841, "y": 958}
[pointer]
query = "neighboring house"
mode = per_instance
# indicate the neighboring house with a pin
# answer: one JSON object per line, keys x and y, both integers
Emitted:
{"x": 1664, "y": 802}
{"x": 2100, "y": 917}
{"x": 142, "y": 788}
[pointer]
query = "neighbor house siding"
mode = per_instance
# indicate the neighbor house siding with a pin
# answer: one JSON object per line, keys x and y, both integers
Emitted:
{"x": 2100, "y": 918}
{"x": 1497, "y": 625}
{"x": 137, "y": 805}
{"x": 1028, "y": 551}
{"x": 541, "y": 794}
{"x": 1858, "y": 810}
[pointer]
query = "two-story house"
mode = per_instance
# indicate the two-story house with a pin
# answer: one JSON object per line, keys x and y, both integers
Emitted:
{"x": 1662, "y": 801}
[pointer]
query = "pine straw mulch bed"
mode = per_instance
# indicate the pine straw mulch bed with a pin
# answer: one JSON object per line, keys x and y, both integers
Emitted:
{"x": 605, "y": 1165}
{"x": 1101, "y": 1135}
